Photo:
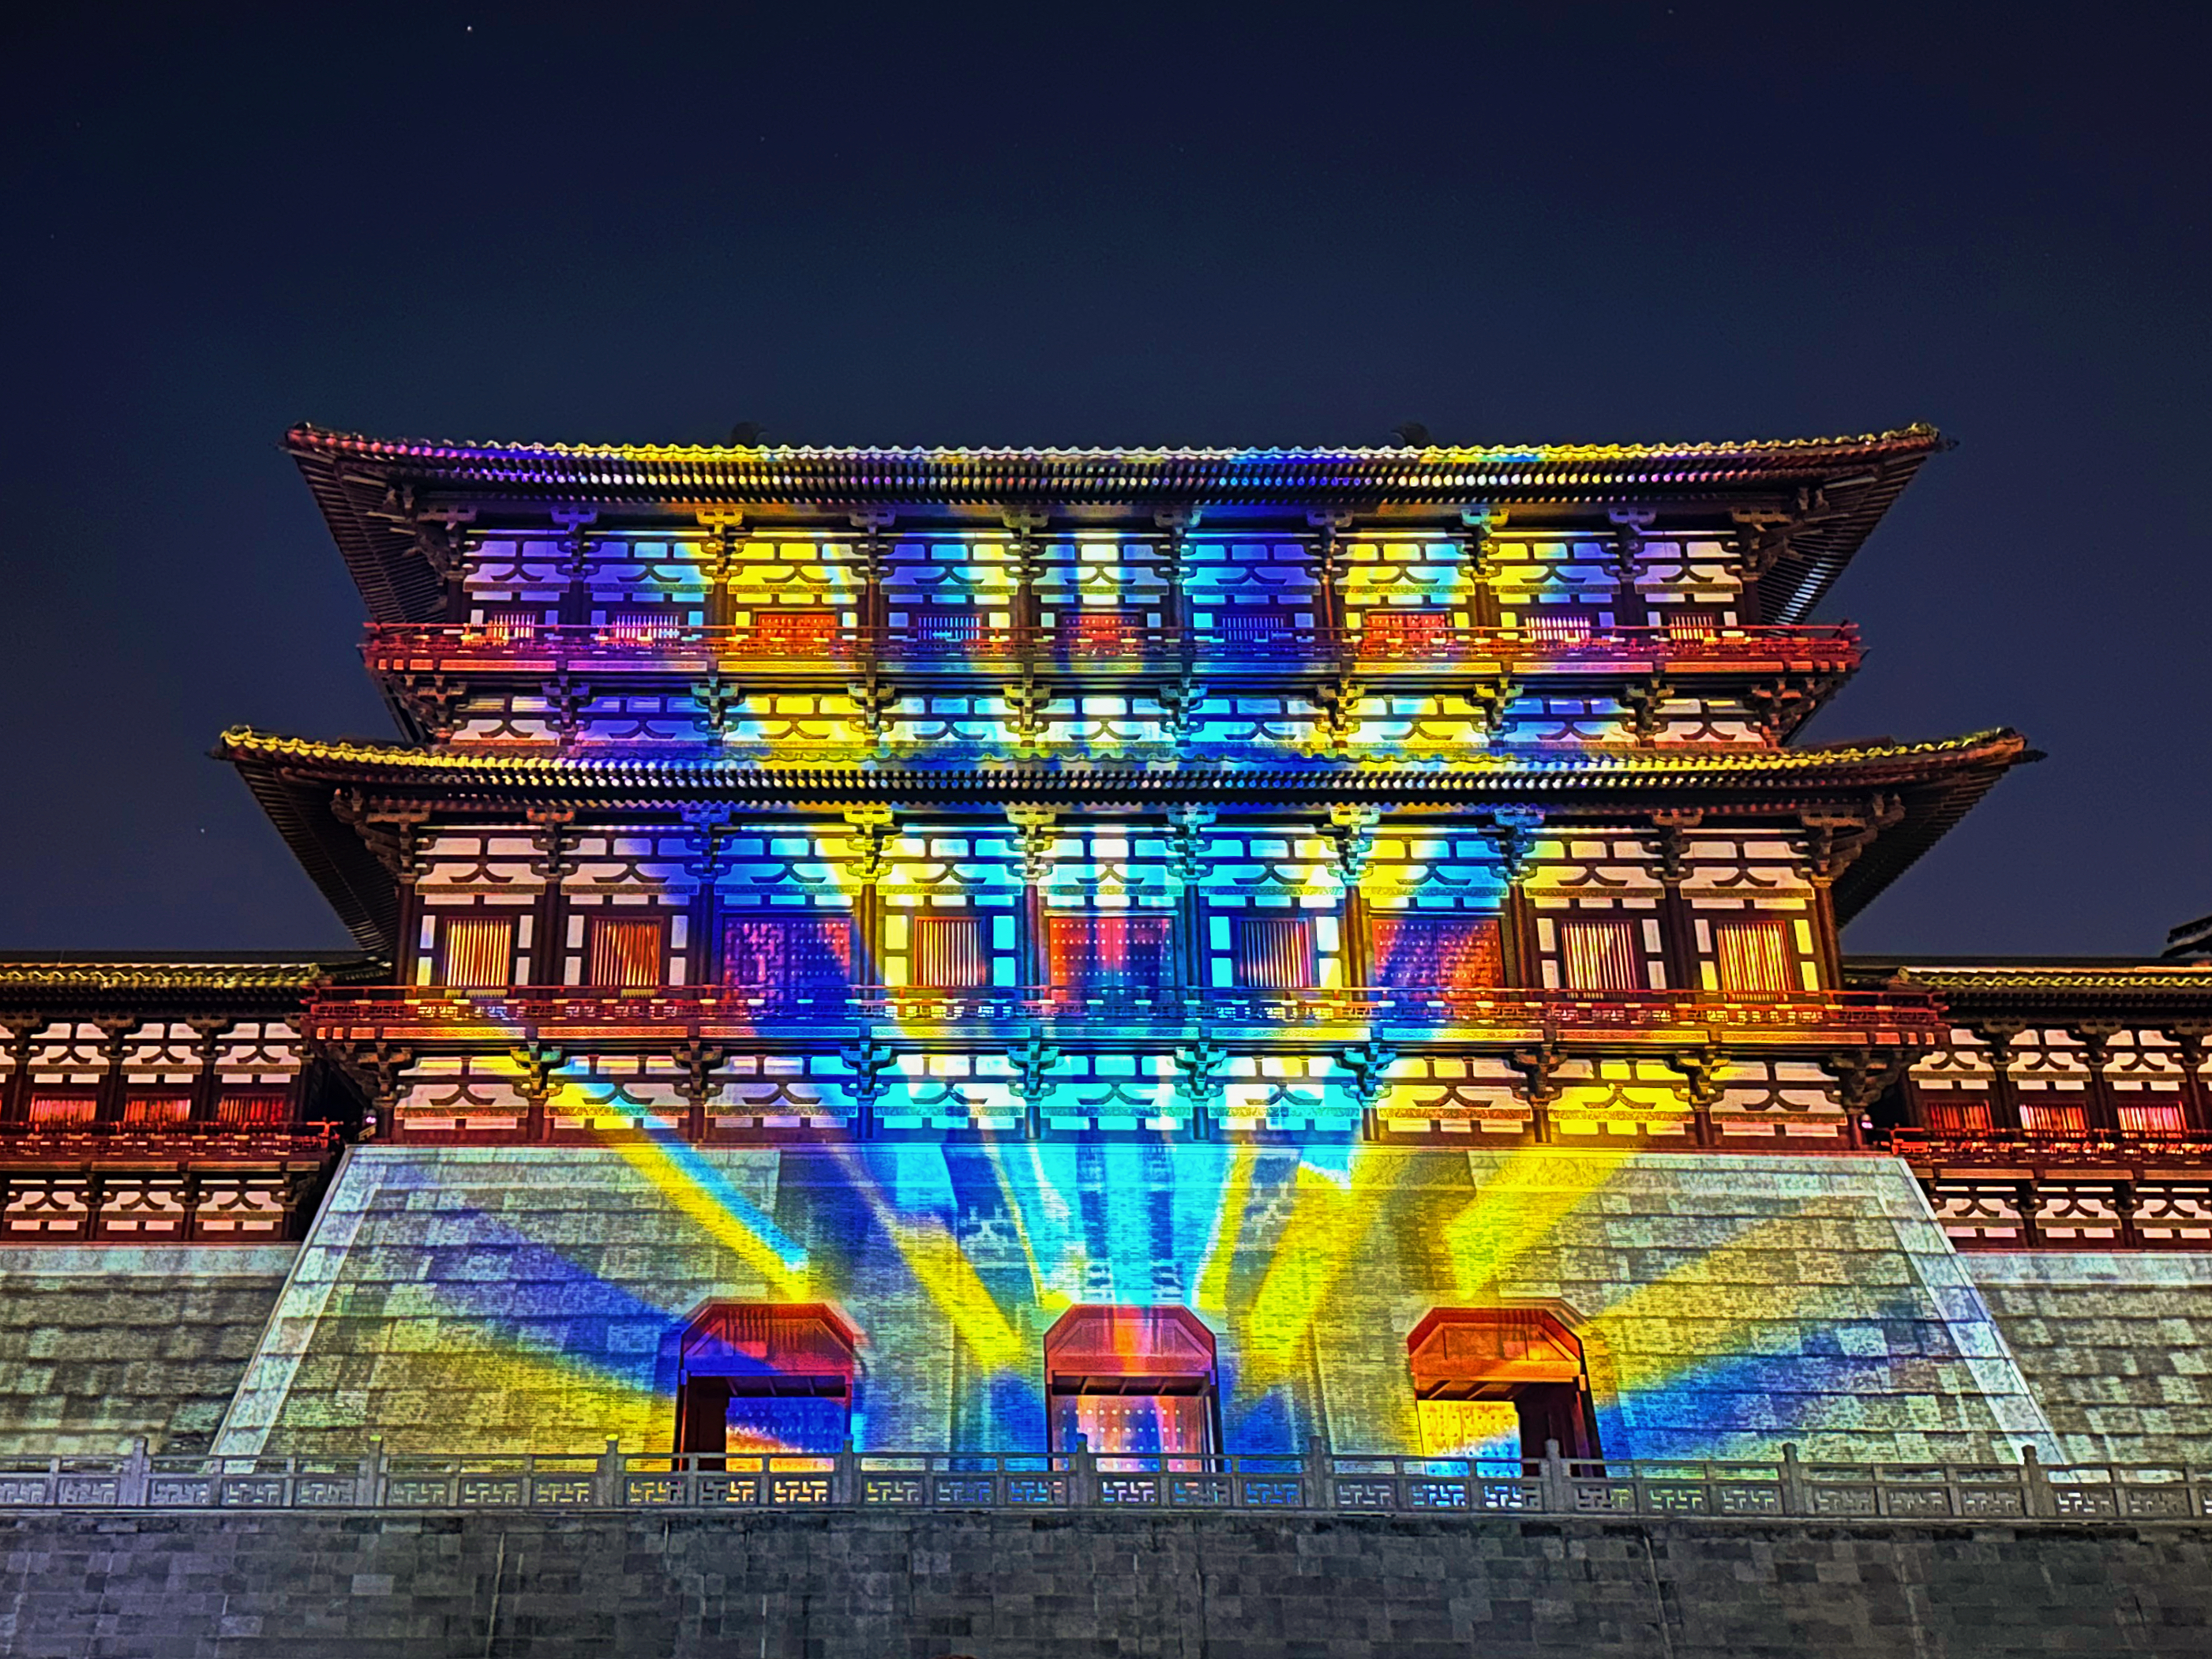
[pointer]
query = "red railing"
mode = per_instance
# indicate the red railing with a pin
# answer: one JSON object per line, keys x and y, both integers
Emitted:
{"x": 720, "y": 1013}
{"x": 628, "y": 648}
{"x": 2028, "y": 1148}
{"x": 175, "y": 1143}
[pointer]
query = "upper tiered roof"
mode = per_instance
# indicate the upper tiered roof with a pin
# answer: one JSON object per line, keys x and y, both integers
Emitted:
{"x": 370, "y": 488}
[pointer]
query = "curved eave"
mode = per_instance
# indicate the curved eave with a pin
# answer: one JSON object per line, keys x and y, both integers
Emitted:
{"x": 2056, "y": 991}
{"x": 167, "y": 979}
{"x": 296, "y": 780}
{"x": 357, "y": 480}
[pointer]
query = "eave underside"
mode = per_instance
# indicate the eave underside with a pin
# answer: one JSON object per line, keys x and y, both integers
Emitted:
{"x": 1927, "y": 789}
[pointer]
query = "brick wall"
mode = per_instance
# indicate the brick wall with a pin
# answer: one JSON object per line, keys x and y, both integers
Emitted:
{"x": 2117, "y": 1347}
{"x": 101, "y": 1346}
{"x": 1012, "y": 1587}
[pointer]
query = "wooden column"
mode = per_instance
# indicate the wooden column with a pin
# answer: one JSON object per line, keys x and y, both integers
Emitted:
{"x": 2004, "y": 1097}
{"x": 708, "y": 867}
{"x": 2101, "y": 1110}
{"x": 2196, "y": 1107}
{"x": 549, "y": 946}
{"x": 1187, "y": 859}
{"x": 576, "y": 596}
{"x": 1629, "y": 525}
{"x": 1512, "y": 833}
{"x": 721, "y": 527}
{"x": 868, "y": 831}
{"x": 1329, "y": 572}
{"x": 1033, "y": 831}
{"x": 15, "y": 1098}
{"x": 114, "y": 1084}
{"x": 1481, "y": 563}
{"x": 207, "y": 1087}
{"x": 1350, "y": 831}
{"x": 1669, "y": 846}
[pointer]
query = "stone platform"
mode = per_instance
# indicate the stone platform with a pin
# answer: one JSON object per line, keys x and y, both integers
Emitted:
{"x": 842, "y": 1586}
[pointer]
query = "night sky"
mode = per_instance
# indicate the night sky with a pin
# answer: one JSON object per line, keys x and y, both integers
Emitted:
{"x": 1092, "y": 225}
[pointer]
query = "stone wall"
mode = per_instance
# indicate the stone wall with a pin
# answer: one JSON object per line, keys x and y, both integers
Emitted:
{"x": 101, "y": 1346}
{"x": 534, "y": 1299}
{"x": 839, "y": 1586}
{"x": 2117, "y": 1347}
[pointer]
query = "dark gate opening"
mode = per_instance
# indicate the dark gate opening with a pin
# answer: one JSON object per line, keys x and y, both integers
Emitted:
{"x": 1484, "y": 1375}
{"x": 762, "y": 1376}
{"x": 1132, "y": 1380}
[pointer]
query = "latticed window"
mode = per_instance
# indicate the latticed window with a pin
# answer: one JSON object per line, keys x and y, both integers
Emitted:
{"x": 1100, "y": 951}
{"x": 1273, "y": 953}
{"x": 802, "y": 632}
{"x": 941, "y": 627}
{"x": 1406, "y": 632}
{"x": 1601, "y": 955}
{"x": 253, "y": 1108}
{"x": 643, "y": 625}
{"x": 2161, "y": 1119}
{"x": 156, "y": 1111}
{"x": 1101, "y": 631}
{"x": 1754, "y": 956}
{"x": 1691, "y": 622}
{"x": 1557, "y": 624}
{"x": 2054, "y": 1117}
{"x": 1456, "y": 952}
{"x": 1957, "y": 1117}
{"x": 949, "y": 952}
{"x": 512, "y": 624}
{"x": 63, "y": 1111}
{"x": 1254, "y": 626}
{"x": 787, "y": 953}
{"x": 479, "y": 952}
{"x": 626, "y": 951}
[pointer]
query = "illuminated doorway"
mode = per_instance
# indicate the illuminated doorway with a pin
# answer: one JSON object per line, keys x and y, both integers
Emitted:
{"x": 1132, "y": 1380}
{"x": 763, "y": 1377}
{"x": 1499, "y": 1382}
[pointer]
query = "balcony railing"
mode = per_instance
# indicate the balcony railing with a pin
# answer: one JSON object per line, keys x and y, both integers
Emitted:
{"x": 692, "y": 651}
{"x": 721, "y": 1014}
{"x": 887, "y": 1482}
{"x": 168, "y": 1144}
{"x": 2033, "y": 1149}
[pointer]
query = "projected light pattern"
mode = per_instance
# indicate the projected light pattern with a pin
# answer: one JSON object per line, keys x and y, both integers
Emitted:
{"x": 542, "y": 1297}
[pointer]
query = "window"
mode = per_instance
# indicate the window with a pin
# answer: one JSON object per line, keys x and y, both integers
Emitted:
{"x": 479, "y": 952}
{"x": 63, "y": 1109}
{"x": 1754, "y": 956}
{"x": 1601, "y": 955}
{"x": 512, "y": 624}
{"x": 1254, "y": 627}
{"x": 1273, "y": 953}
{"x": 1451, "y": 952}
{"x": 949, "y": 952}
{"x": 253, "y": 1108}
{"x": 758, "y": 1377}
{"x": 1096, "y": 631}
{"x": 1102, "y": 951}
{"x": 1136, "y": 1381}
{"x": 1499, "y": 1382}
{"x": 644, "y": 626}
{"x": 796, "y": 631}
{"x": 2159, "y": 1119}
{"x": 1406, "y": 632}
{"x": 1557, "y": 624}
{"x": 156, "y": 1111}
{"x": 1957, "y": 1117}
{"x": 626, "y": 951}
{"x": 787, "y": 953}
{"x": 2040, "y": 1118}
{"x": 945, "y": 627}
{"x": 1688, "y": 622}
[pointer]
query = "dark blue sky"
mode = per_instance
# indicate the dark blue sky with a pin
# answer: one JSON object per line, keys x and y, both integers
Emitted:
{"x": 1134, "y": 224}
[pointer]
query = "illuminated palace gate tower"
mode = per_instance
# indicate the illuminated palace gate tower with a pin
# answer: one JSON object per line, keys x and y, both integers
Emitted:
{"x": 961, "y": 948}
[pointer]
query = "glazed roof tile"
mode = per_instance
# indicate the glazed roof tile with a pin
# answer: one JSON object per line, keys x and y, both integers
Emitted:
{"x": 206, "y": 971}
